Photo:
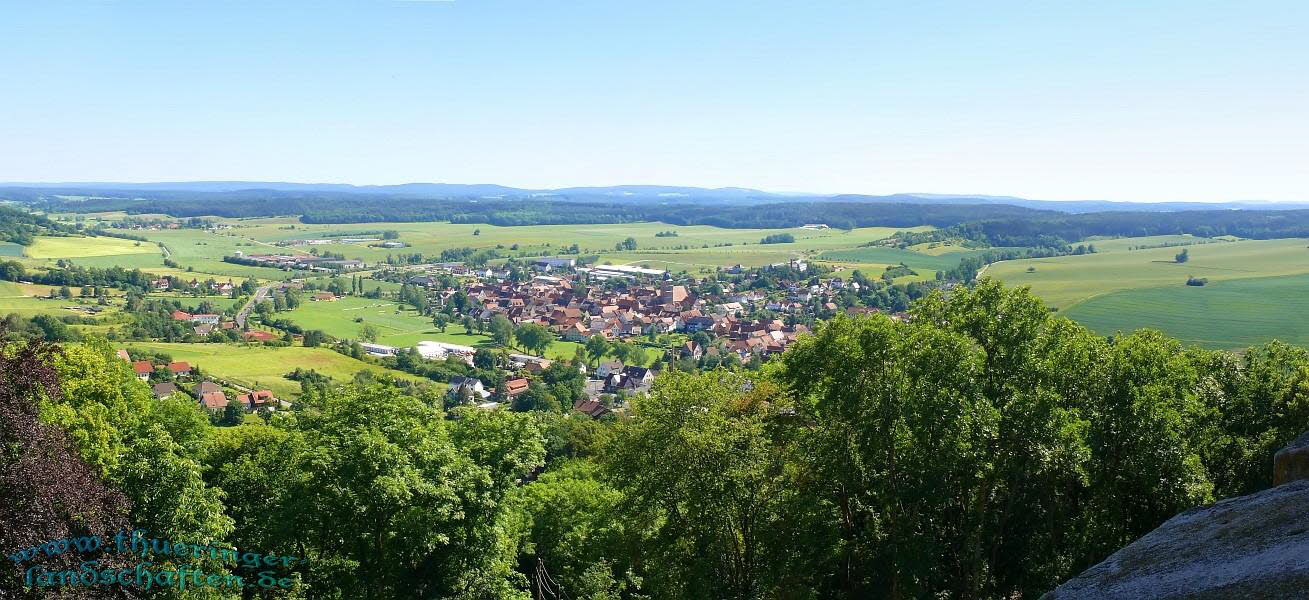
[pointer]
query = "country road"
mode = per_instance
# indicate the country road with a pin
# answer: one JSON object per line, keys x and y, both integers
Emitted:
{"x": 260, "y": 295}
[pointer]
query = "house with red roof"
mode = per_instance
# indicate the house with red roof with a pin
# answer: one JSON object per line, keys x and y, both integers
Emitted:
{"x": 257, "y": 400}
{"x": 180, "y": 369}
{"x": 515, "y": 387}
{"x": 213, "y": 400}
{"x": 143, "y": 369}
{"x": 259, "y": 336}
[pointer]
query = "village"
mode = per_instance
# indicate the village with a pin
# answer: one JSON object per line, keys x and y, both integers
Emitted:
{"x": 676, "y": 322}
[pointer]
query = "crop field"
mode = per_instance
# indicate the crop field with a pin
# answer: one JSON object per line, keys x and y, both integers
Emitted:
{"x": 1144, "y": 242}
{"x": 204, "y": 253}
{"x": 1067, "y": 280}
{"x": 263, "y": 367}
{"x": 432, "y": 238}
{"x": 696, "y": 249}
{"x": 201, "y": 251}
{"x": 396, "y": 325}
{"x": 53, "y": 248}
{"x": 10, "y": 249}
{"x": 1222, "y": 315}
{"x": 894, "y": 256}
{"x": 1257, "y": 290}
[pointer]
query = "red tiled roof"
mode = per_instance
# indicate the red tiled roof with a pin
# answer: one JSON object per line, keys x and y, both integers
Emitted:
{"x": 513, "y": 387}
{"x": 214, "y": 400}
{"x": 143, "y": 367}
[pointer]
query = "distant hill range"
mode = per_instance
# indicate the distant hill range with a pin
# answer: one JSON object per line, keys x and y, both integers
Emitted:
{"x": 634, "y": 194}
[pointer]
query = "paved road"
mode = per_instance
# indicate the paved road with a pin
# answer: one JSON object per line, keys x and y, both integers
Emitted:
{"x": 260, "y": 295}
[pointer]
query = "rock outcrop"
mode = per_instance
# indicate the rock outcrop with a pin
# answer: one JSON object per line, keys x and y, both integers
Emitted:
{"x": 1254, "y": 546}
{"x": 1292, "y": 462}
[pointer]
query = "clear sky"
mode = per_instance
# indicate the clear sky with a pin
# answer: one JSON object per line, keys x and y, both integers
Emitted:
{"x": 1133, "y": 100}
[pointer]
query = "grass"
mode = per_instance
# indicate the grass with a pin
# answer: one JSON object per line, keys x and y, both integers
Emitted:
{"x": 32, "y": 300}
{"x": 1223, "y": 314}
{"x": 432, "y": 238}
{"x": 1257, "y": 289}
{"x": 201, "y": 252}
{"x": 696, "y": 249}
{"x": 262, "y": 367}
{"x": 53, "y": 248}
{"x": 204, "y": 253}
{"x": 1123, "y": 244}
{"x": 1066, "y": 281}
{"x": 10, "y": 249}
{"x": 894, "y": 256}
{"x": 396, "y": 325}
{"x": 190, "y": 302}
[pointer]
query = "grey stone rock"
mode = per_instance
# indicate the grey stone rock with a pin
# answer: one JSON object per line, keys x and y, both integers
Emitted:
{"x": 1254, "y": 546}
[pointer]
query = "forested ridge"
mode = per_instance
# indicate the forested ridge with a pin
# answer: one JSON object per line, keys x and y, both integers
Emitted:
{"x": 993, "y": 224}
{"x": 983, "y": 449}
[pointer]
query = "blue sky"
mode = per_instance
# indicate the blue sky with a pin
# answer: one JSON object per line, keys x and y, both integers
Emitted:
{"x": 1191, "y": 100}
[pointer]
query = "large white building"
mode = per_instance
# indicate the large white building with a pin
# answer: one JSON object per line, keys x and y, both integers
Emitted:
{"x": 440, "y": 350}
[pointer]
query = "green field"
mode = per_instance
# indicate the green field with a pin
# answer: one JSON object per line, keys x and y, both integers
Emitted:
{"x": 31, "y": 300}
{"x": 263, "y": 367}
{"x": 1067, "y": 280}
{"x": 431, "y": 238}
{"x": 894, "y": 256}
{"x": 10, "y": 249}
{"x": 397, "y": 326}
{"x": 92, "y": 252}
{"x": 190, "y": 302}
{"x": 1255, "y": 293}
{"x": 696, "y": 249}
{"x": 204, "y": 253}
{"x": 1224, "y": 314}
{"x": 200, "y": 251}
{"x": 1123, "y": 244}
{"x": 74, "y": 247}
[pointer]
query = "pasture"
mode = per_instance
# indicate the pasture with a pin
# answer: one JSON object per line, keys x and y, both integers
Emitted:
{"x": 700, "y": 245}
{"x": 915, "y": 260}
{"x": 204, "y": 252}
{"x": 31, "y": 300}
{"x": 77, "y": 247}
{"x": 1131, "y": 244}
{"x": 396, "y": 325}
{"x": 1227, "y": 314}
{"x": 1065, "y": 281}
{"x": 262, "y": 367}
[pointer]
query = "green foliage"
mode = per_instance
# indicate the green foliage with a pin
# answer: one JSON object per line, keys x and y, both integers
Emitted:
{"x": 534, "y": 337}
{"x": 983, "y": 448}
{"x": 150, "y": 450}
{"x": 699, "y": 468}
{"x": 384, "y": 497}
